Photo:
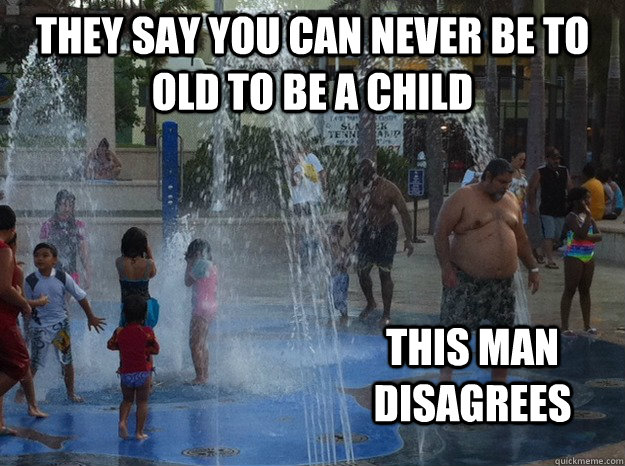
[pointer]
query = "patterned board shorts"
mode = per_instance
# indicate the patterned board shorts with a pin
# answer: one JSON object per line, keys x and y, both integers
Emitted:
{"x": 477, "y": 299}
{"x": 41, "y": 338}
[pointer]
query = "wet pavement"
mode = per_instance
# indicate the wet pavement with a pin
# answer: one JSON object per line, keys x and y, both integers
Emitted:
{"x": 254, "y": 410}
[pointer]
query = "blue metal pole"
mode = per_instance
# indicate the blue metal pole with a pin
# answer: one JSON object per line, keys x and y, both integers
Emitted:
{"x": 171, "y": 179}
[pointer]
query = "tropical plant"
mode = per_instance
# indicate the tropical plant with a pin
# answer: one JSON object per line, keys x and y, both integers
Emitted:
{"x": 613, "y": 92}
{"x": 255, "y": 176}
{"x": 126, "y": 99}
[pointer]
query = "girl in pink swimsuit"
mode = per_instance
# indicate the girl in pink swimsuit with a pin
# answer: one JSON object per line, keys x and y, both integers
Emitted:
{"x": 201, "y": 276}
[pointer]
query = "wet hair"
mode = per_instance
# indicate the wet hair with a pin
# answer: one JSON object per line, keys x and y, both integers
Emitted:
{"x": 514, "y": 155}
{"x": 134, "y": 243}
{"x": 497, "y": 167}
{"x": 551, "y": 151}
{"x": 604, "y": 174}
{"x": 199, "y": 246}
{"x": 589, "y": 170}
{"x": 576, "y": 195}
{"x": 62, "y": 196}
{"x": 47, "y": 246}
{"x": 135, "y": 309}
{"x": 7, "y": 218}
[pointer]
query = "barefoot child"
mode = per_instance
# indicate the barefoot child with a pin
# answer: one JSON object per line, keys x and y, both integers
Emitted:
{"x": 49, "y": 324}
{"x": 201, "y": 275}
{"x": 14, "y": 359}
{"x": 136, "y": 344}
{"x": 27, "y": 389}
{"x": 579, "y": 263}
{"x": 135, "y": 267}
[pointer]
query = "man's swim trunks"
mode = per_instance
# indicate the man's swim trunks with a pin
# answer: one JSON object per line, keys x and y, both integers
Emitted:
{"x": 377, "y": 246}
{"x": 476, "y": 299}
{"x": 42, "y": 337}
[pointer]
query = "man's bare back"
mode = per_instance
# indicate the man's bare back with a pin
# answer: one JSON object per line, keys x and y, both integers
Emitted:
{"x": 484, "y": 243}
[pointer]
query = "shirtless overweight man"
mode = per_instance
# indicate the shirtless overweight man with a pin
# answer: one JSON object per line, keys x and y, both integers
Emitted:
{"x": 479, "y": 262}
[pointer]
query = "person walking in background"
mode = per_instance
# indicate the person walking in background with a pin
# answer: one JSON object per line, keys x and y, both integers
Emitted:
{"x": 579, "y": 264}
{"x": 614, "y": 195}
{"x": 471, "y": 175}
{"x": 373, "y": 229}
{"x": 69, "y": 236}
{"x": 596, "y": 190}
{"x": 519, "y": 183}
{"x": 554, "y": 181}
{"x": 307, "y": 187}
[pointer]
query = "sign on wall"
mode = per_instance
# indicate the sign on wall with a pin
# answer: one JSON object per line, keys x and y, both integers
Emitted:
{"x": 341, "y": 129}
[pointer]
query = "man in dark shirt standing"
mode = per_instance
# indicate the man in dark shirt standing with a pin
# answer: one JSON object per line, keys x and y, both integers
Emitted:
{"x": 554, "y": 182}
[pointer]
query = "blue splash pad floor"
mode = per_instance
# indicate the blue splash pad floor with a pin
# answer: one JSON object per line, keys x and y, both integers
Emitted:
{"x": 250, "y": 429}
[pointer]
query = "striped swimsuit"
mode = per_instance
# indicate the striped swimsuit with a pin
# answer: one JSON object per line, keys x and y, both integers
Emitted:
{"x": 582, "y": 249}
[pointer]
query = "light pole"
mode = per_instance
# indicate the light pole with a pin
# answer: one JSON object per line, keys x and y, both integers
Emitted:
{"x": 218, "y": 201}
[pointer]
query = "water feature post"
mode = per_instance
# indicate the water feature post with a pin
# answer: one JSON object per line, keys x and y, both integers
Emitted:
{"x": 100, "y": 101}
{"x": 171, "y": 179}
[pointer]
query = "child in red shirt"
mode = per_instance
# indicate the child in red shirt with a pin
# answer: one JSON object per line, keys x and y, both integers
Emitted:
{"x": 136, "y": 344}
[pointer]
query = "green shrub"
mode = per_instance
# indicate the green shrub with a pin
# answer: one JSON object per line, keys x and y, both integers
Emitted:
{"x": 255, "y": 170}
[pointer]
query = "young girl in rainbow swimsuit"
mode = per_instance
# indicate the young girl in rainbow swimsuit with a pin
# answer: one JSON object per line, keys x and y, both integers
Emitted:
{"x": 579, "y": 264}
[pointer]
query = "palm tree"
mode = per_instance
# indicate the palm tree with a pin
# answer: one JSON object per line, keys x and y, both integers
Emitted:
{"x": 579, "y": 112}
{"x": 158, "y": 8}
{"x": 491, "y": 88}
{"x": 613, "y": 93}
{"x": 536, "y": 107}
{"x": 367, "y": 144}
{"x": 434, "y": 146}
{"x": 535, "y": 146}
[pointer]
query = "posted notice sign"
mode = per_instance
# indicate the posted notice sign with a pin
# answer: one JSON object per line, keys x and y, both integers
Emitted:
{"x": 341, "y": 129}
{"x": 416, "y": 182}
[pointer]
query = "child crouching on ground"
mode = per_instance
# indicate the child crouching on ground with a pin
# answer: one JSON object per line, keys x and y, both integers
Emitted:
{"x": 339, "y": 276}
{"x": 49, "y": 324}
{"x": 201, "y": 276}
{"x": 136, "y": 344}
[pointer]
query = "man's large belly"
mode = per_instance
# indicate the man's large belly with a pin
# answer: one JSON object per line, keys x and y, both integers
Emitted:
{"x": 487, "y": 252}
